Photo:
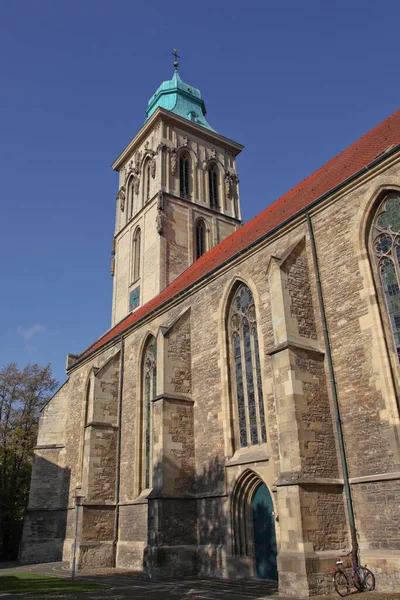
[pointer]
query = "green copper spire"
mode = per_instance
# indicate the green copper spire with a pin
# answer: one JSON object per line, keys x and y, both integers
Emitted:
{"x": 181, "y": 99}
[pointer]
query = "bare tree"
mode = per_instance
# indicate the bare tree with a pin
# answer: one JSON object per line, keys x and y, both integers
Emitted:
{"x": 23, "y": 392}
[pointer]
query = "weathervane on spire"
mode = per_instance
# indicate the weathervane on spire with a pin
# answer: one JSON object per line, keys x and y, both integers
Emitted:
{"x": 176, "y": 55}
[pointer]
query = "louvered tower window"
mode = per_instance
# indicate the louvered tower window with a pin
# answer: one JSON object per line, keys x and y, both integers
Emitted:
{"x": 148, "y": 181}
{"x": 184, "y": 164}
{"x": 200, "y": 238}
{"x": 131, "y": 198}
{"x": 213, "y": 186}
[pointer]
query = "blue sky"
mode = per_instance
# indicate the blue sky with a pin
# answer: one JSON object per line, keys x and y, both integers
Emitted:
{"x": 295, "y": 82}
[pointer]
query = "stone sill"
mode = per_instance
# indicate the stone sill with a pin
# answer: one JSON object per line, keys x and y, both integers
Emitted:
{"x": 294, "y": 478}
{"x": 249, "y": 455}
{"x": 375, "y": 477}
{"x": 175, "y": 398}
{"x": 308, "y": 345}
{"x": 101, "y": 425}
{"x": 379, "y": 554}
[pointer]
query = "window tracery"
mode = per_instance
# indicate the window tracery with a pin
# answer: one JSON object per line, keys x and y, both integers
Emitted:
{"x": 385, "y": 249}
{"x": 149, "y": 393}
{"x": 246, "y": 368}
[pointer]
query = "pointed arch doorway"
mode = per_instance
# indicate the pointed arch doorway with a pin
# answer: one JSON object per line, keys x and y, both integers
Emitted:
{"x": 254, "y": 524}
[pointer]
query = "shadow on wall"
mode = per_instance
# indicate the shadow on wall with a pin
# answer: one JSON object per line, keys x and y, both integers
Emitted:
{"x": 212, "y": 514}
{"x": 187, "y": 520}
{"x": 45, "y": 522}
{"x": 210, "y": 491}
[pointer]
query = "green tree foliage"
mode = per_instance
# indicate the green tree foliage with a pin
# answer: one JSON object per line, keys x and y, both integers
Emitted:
{"x": 23, "y": 393}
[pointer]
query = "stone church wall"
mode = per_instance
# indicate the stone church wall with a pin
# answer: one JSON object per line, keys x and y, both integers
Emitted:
{"x": 46, "y": 517}
{"x": 367, "y": 396}
{"x": 190, "y": 526}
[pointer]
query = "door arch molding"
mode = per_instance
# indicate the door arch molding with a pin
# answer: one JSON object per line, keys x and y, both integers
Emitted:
{"x": 243, "y": 517}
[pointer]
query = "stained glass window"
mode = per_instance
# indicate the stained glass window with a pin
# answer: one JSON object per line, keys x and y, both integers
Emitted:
{"x": 259, "y": 388}
{"x": 246, "y": 370}
{"x": 149, "y": 393}
{"x": 385, "y": 244}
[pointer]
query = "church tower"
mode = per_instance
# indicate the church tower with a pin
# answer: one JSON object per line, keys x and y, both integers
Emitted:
{"x": 178, "y": 195}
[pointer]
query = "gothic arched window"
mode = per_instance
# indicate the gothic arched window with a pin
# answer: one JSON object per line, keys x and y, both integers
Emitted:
{"x": 184, "y": 165}
{"x": 149, "y": 387}
{"x": 385, "y": 250}
{"x": 213, "y": 186}
{"x": 131, "y": 198}
{"x": 200, "y": 235}
{"x": 146, "y": 181}
{"x": 136, "y": 254}
{"x": 245, "y": 369}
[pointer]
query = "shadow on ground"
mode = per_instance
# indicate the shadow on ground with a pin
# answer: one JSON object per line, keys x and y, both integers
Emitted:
{"x": 127, "y": 584}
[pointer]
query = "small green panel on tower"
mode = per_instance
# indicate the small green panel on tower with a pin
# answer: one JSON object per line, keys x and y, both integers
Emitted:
{"x": 134, "y": 298}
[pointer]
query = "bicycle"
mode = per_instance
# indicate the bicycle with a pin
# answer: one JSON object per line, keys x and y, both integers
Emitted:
{"x": 362, "y": 578}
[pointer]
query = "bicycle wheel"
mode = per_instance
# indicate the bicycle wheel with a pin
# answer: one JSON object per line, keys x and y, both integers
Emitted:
{"x": 341, "y": 583}
{"x": 366, "y": 580}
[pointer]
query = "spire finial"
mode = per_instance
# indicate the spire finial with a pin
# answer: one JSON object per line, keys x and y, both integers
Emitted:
{"x": 176, "y": 55}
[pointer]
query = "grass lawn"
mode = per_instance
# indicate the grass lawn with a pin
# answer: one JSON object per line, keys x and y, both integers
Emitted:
{"x": 30, "y": 583}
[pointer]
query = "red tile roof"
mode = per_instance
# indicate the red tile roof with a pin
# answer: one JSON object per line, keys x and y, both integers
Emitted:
{"x": 333, "y": 173}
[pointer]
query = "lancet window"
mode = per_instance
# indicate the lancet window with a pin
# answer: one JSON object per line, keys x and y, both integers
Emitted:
{"x": 149, "y": 393}
{"x": 200, "y": 234}
{"x": 245, "y": 369}
{"x": 131, "y": 198}
{"x": 146, "y": 181}
{"x": 136, "y": 255}
{"x": 184, "y": 164}
{"x": 385, "y": 250}
{"x": 213, "y": 186}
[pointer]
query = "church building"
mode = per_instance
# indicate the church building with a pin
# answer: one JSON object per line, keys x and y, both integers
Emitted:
{"x": 240, "y": 419}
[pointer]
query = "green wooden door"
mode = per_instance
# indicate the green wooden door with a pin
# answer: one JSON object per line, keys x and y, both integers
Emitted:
{"x": 264, "y": 534}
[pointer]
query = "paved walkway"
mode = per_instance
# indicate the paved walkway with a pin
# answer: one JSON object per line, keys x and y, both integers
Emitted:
{"x": 127, "y": 584}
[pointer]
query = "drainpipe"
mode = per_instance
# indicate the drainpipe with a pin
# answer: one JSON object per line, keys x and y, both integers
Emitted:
{"x": 339, "y": 429}
{"x": 118, "y": 458}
